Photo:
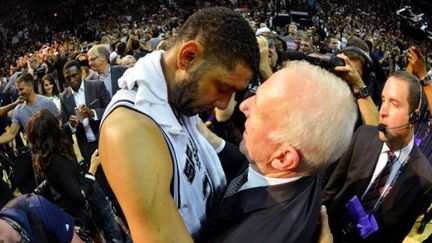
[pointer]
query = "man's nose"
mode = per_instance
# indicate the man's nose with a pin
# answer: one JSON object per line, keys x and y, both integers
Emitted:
{"x": 223, "y": 101}
{"x": 244, "y": 106}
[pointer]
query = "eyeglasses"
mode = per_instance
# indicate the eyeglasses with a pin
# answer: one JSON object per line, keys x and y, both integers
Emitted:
{"x": 24, "y": 237}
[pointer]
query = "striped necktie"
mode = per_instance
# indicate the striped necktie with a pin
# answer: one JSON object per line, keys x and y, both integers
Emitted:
{"x": 377, "y": 188}
{"x": 236, "y": 184}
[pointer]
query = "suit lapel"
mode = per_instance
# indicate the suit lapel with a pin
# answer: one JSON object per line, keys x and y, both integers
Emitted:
{"x": 362, "y": 171}
{"x": 244, "y": 202}
{"x": 372, "y": 158}
{"x": 87, "y": 90}
{"x": 70, "y": 100}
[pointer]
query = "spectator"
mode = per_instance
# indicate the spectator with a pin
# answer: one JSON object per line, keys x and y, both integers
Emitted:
{"x": 83, "y": 104}
{"x": 32, "y": 103}
{"x": 332, "y": 43}
{"x": 49, "y": 89}
{"x": 306, "y": 45}
{"x": 128, "y": 61}
{"x": 118, "y": 54}
{"x": 98, "y": 57}
{"x": 55, "y": 161}
{"x": 134, "y": 48}
{"x": 87, "y": 73}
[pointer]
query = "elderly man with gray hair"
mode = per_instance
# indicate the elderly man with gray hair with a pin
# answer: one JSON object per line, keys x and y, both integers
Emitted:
{"x": 301, "y": 119}
{"x": 98, "y": 57}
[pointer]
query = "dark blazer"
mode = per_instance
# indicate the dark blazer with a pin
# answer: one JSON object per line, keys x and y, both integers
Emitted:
{"x": 401, "y": 206}
{"x": 116, "y": 72}
{"x": 283, "y": 213}
{"x": 96, "y": 92}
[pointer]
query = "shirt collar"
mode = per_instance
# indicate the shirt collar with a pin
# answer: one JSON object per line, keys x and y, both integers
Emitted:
{"x": 256, "y": 179}
{"x": 81, "y": 88}
{"x": 108, "y": 73}
{"x": 402, "y": 153}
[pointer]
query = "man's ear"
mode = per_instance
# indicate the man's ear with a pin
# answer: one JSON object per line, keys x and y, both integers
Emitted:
{"x": 286, "y": 158}
{"x": 188, "y": 54}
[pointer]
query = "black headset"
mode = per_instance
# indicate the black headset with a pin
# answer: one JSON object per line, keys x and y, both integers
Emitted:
{"x": 414, "y": 116}
{"x": 368, "y": 70}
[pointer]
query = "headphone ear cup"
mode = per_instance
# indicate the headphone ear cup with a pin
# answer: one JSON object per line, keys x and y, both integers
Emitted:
{"x": 413, "y": 117}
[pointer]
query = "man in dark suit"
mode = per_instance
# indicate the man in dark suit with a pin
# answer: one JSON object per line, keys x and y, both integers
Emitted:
{"x": 385, "y": 170}
{"x": 98, "y": 57}
{"x": 83, "y": 104}
{"x": 277, "y": 197}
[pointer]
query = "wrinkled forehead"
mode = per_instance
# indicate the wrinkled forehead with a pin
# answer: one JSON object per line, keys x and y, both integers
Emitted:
{"x": 91, "y": 53}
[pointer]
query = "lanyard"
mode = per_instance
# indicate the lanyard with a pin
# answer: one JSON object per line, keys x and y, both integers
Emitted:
{"x": 388, "y": 189}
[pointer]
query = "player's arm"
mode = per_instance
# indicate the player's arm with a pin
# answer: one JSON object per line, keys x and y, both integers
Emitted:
{"x": 10, "y": 133}
{"x": 138, "y": 166}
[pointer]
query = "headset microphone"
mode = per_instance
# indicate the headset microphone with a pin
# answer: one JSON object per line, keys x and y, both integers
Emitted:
{"x": 381, "y": 127}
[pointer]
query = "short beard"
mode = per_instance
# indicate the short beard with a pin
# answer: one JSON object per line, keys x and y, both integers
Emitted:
{"x": 186, "y": 93}
{"x": 184, "y": 96}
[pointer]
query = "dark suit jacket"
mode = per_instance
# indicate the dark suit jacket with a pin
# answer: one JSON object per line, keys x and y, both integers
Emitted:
{"x": 94, "y": 91}
{"x": 401, "y": 206}
{"x": 282, "y": 213}
{"x": 116, "y": 73}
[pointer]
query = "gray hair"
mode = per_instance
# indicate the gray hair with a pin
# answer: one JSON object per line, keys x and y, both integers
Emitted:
{"x": 101, "y": 51}
{"x": 320, "y": 123}
{"x": 127, "y": 58}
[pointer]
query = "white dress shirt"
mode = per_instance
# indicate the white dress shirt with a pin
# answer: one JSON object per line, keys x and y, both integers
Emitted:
{"x": 255, "y": 179}
{"x": 401, "y": 158}
{"x": 107, "y": 80}
{"x": 79, "y": 98}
